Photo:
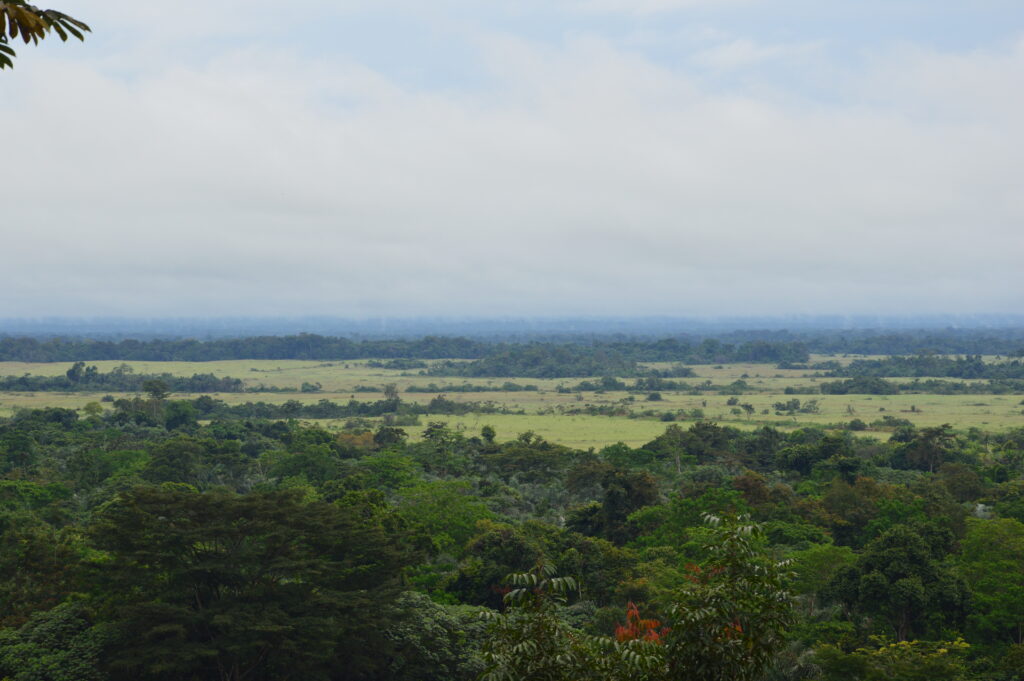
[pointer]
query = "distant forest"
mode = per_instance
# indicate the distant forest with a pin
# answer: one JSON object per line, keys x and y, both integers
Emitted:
{"x": 536, "y": 360}
{"x": 971, "y": 366}
{"x": 737, "y": 346}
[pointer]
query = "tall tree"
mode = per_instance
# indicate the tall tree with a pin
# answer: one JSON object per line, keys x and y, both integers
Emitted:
{"x": 928, "y": 449}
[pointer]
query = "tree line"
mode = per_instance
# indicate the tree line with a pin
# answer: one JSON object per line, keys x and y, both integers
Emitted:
{"x": 488, "y": 359}
{"x": 399, "y": 354}
{"x": 965, "y": 367}
{"x": 82, "y": 378}
{"x": 732, "y": 346}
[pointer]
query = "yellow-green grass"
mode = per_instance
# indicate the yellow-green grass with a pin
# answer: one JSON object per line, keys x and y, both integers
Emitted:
{"x": 345, "y": 376}
{"x": 988, "y": 412}
{"x": 580, "y": 432}
{"x": 768, "y": 376}
{"x": 542, "y": 407}
{"x": 339, "y": 376}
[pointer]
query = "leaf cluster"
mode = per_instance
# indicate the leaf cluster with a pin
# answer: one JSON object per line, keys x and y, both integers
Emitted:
{"x": 18, "y": 18}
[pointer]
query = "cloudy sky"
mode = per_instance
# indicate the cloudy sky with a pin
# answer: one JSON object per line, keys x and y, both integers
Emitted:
{"x": 474, "y": 157}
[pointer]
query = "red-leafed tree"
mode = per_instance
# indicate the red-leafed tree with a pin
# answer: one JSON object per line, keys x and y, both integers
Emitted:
{"x": 637, "y": 628}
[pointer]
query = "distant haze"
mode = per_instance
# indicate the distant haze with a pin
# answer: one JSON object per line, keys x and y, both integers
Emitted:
{"x": 582, "y": 158}
{"x": 511, "y": 328}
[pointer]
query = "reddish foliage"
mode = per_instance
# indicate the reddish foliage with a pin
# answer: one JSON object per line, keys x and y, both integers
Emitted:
{"x": 733, "y": 630}
{"x": 638, "y": 628}
{"x": 693, "y": 572}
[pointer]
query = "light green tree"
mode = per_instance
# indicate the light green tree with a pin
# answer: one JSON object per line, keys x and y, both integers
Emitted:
{"x": 447, "y": 510}
{"x": 815, "y": 567}
{"x": 993, "y": 566}
{"x": 902, "y": 661}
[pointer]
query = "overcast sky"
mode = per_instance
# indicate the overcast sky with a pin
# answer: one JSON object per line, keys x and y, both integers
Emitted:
{"x": 475, "y": 157}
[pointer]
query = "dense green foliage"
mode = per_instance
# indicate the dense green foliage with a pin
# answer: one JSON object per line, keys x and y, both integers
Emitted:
{"x": 168, "y": 539}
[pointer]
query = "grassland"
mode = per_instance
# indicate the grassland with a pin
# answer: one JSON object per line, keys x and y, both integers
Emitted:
{"x": 543, "y": 410}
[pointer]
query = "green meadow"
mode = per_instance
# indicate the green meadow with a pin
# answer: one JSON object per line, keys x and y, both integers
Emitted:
{"x": 548, "y": 412}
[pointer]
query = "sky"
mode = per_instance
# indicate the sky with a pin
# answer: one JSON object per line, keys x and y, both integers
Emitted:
{"x": 533, "y": 157}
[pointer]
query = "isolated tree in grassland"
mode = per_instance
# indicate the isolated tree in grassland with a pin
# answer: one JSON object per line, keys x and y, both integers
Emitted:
{"x": 31, "y": 24}
{"x": 156, "y": 388}
{"x": 76, "y": 371}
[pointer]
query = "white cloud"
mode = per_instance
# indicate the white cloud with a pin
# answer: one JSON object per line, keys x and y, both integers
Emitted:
{"x": 743, "y": 52}
{"x": 581, "y": 178}
{"x": 652, "y": 6}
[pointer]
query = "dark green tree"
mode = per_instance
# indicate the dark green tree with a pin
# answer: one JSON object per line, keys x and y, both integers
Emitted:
{"x": 929, "y": 448}
{"x": 387, "y": 436}
{"x": 623, "y": 493}
{"x": 38, "y": 565}
{"x": 175, "y": 460}
{"x": 180, "y": 414}
{"x": 900, "y": 580}
{"x": 156, "y": 389}
{"x": 226, "y": 587}
{"x": 76, "y": 371}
